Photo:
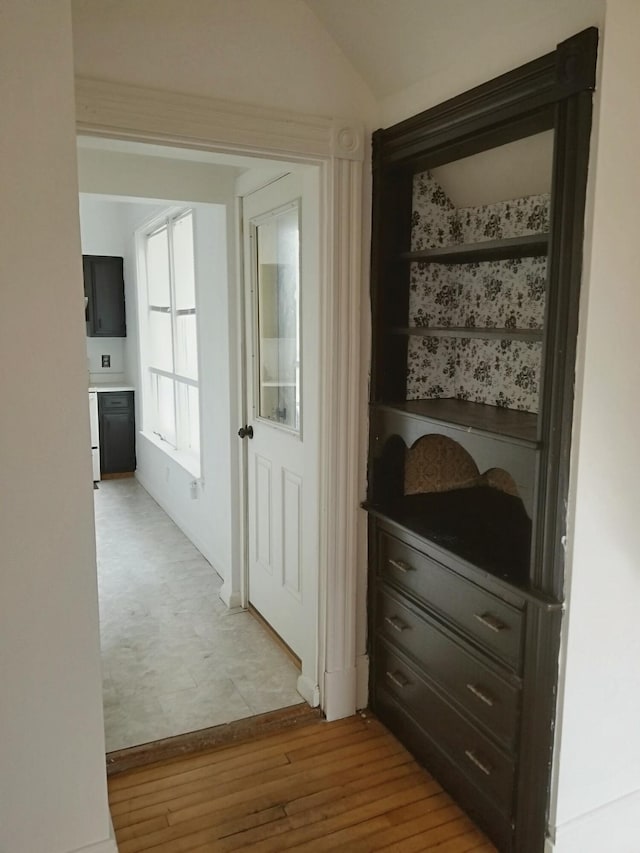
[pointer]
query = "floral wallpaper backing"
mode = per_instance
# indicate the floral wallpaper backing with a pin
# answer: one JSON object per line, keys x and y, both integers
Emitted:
{"x": 503, "y": 294}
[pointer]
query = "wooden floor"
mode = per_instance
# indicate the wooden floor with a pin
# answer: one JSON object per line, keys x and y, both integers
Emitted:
{"x": 347, "y": 786}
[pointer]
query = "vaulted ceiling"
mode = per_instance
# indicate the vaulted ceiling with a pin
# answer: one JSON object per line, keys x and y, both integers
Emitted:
{"x": 396, "y": 43}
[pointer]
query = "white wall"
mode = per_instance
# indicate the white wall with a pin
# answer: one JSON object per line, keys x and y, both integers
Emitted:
{"x": 501, "y": 41}
{"x": 598, "y": 755}
{"x": 144, "y": 176}
{"x": 206, "y": 520}
{"x": 101, "y": 233}
{"x": 52, "y": 781}
{"x": 275, "y": 53}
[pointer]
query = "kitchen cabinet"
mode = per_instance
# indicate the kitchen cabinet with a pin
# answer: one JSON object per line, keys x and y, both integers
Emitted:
{"x": 116, "y": 415}
{"x": 104, "y": 290}
{"x": 478, "y": 209}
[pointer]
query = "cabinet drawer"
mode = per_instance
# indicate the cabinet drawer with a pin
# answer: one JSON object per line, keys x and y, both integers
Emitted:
{"x": 493, "y": 701}
{"x": 484, "y": 617}
{"x": 109, "y": 400}
{"x": 481, "y": 761}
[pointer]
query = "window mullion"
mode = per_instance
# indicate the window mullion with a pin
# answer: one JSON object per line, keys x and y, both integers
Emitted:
{"x": 174, "y": 330}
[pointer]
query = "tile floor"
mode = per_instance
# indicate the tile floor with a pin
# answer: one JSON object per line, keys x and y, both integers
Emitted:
{"x": 174, "y": 658}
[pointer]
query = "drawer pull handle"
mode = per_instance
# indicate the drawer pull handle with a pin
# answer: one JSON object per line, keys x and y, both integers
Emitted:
{"x": 400, "y": 565}
{"x": 491, "y": 622}
{"x": 481, "y": 695}
{"x": 398, "y": 679}
{"x": 473, "y": 758}
{"x": 396, "y": 623}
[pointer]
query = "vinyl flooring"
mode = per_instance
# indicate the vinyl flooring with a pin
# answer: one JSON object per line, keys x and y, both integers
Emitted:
{"x": 342, "y": 786}
{"x": 175, "y": 659}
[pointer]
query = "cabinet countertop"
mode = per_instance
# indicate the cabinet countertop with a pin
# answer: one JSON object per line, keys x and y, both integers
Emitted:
{"x": 111, "y": 386}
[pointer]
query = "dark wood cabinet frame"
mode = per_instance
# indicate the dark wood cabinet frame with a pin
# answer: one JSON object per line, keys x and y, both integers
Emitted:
{"x": 553, "y": 92}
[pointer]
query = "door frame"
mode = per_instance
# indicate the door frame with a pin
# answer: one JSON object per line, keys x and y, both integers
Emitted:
{"x": 336, "y": 146}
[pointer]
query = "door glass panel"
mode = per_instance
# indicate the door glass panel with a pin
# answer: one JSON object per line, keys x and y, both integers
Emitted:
{"x": 278, "y": 317}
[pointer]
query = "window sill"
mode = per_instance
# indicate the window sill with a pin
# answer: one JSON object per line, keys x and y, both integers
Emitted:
{"x": 188, "y": 461}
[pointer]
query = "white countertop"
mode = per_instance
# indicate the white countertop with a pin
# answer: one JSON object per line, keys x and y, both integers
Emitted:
{"x": 111, "y": 386}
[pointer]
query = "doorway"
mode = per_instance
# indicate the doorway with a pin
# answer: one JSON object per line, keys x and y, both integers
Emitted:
{"x": 337, "y": 147}
{"x": 276, "y": 673}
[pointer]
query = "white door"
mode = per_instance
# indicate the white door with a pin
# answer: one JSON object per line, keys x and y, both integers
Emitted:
{"x": 282, "y": 306}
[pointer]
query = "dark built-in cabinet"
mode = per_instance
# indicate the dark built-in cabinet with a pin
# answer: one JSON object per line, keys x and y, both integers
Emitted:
{"x": 478, "y": 208}
{"x": 116, "y": 416}
{"x": 104, "y": 289}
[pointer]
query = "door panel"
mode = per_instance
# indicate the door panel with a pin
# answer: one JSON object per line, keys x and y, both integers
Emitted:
{"x": 292, "y": 532}
{"x": 281, "y": 263}
{"x": 262, "y": 515}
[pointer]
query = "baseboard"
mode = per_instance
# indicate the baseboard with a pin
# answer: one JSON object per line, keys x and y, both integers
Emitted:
{"x": 109, "y": 845}
{"x": 614, "y": 826}
{"x": 309, "y": 690}
{"x": 229, "y": 597}
{"x": 340, "y": 693}
{"x": 362, "y": 681}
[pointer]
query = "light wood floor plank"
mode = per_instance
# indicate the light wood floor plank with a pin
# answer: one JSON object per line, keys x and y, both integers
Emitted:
{"x": 430, "y": 838}
{"x": 221, "y": 822}
{"x": 407, "y": 821}
{"x": 275, "y": 836}
{"x": 262, "y": 796}
{"x": 216, "y": 792}
{"x": 468, "y": 841}
{"x": 347, "y": 786}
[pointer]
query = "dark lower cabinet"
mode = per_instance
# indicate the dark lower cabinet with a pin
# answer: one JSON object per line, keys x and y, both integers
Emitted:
{"x": 117, "y": 432}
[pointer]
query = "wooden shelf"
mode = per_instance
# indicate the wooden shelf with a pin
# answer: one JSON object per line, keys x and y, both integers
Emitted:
{"x": 473, "y": 417}
{"x": 532, "y": 246}
{"x": 488, "y": 333}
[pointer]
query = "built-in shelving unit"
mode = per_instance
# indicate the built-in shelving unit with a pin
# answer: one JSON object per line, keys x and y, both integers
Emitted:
{"x": 474, "y": 302}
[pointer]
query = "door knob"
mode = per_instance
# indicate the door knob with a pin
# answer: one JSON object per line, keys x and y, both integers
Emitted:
{"x": 246, "y": 431}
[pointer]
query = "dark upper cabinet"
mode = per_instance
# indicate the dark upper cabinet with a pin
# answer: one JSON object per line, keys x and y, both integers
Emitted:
{"x": 117, "y": 432}
{"x": 104, "y": 288}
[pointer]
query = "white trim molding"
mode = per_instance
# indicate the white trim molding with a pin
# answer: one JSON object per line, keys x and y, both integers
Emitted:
{"x": 339, "y": 433}
{"x": 120, "y": 111}
{"x": 612, "y": 826}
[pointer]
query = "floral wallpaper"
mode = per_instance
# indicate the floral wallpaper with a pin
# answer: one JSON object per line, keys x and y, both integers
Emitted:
{"x": 503, "y": 294}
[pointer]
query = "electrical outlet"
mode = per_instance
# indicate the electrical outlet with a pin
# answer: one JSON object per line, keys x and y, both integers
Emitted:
{"x": 106, "y": 361}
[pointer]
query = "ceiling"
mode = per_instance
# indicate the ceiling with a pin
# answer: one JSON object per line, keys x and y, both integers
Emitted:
{"x": 396, "y": 43}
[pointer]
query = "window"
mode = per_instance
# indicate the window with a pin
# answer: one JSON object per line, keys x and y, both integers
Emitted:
{"x": 170, "y": 354}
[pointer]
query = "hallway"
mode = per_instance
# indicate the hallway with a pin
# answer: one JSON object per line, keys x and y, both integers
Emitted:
{"x": 174, "y": 659}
